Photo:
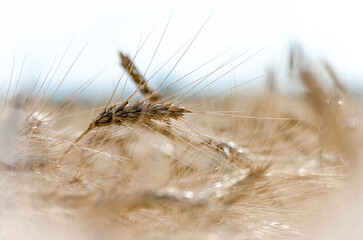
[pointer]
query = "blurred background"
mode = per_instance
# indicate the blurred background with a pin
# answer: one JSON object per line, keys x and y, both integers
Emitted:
{"x": 39, "y": 32}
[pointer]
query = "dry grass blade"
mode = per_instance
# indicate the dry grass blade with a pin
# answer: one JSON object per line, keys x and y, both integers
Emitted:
{"x": 328, "y": 113}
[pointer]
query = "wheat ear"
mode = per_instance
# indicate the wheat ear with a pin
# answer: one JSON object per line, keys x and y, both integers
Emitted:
{"x": 139, "y": 79}
{"x": 140, "y": 112}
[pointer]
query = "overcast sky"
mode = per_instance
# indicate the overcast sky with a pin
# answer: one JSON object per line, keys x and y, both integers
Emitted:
{"x": 263, "y": 30}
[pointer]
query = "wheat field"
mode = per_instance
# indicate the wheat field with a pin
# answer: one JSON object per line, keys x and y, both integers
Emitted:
{"x": 234, "y": 165}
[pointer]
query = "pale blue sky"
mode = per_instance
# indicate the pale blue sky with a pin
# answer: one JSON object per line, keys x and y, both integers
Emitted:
{"x": 41, "y": 31}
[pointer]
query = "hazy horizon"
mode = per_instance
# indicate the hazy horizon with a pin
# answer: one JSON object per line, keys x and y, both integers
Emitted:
{"x": 40, "y": 32}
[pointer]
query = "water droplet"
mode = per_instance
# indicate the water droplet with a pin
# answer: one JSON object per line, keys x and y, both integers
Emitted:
{"x": 188, "y": 194}
{"x": 274, "y": 223}
{"x": 285, "y": 227}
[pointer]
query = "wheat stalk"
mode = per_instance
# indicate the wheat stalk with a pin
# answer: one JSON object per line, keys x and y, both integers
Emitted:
{"x": 228, "y": 149}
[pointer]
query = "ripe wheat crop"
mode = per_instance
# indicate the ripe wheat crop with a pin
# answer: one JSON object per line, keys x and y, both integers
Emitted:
{"x": 265, "y": 165}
